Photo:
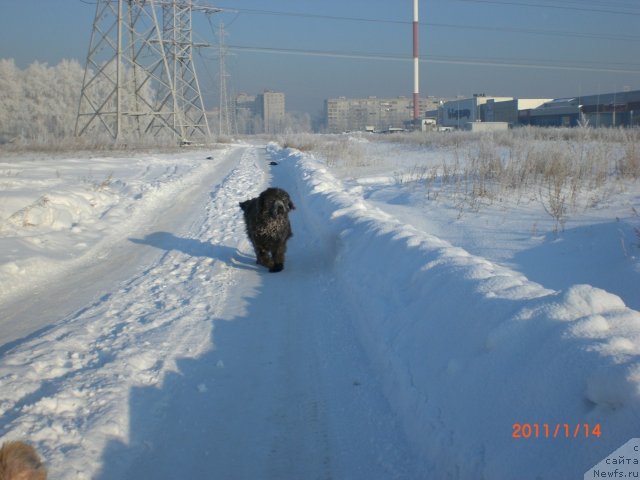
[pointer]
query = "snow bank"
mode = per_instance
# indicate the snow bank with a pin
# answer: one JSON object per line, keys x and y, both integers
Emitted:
{"x": 57, "y": 214}
{"x": 492, "y": 375}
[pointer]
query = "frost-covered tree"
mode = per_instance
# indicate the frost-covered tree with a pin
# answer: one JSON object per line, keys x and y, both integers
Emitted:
{"x": 68, "y": 81}
{"x": 11, "y": 103}
{"x": 39, "y": 102}
{"x": 297, "y": 122}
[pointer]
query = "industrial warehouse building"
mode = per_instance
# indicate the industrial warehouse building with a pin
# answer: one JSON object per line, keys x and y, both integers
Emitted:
{"x": 457, "y": 113}
{"x": 509, "y": 111}
{"x": 621, "y": 109}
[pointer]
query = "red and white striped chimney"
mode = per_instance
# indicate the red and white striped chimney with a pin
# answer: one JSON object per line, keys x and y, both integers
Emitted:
{"x": 416, "y": 65}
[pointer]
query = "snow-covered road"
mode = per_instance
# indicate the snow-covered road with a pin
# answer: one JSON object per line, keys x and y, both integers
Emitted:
{"x": 285, "y": 392}
{"x": 380, "y": 352}
{"x": 52, "y": 291}
{"x": 193, "y": 362}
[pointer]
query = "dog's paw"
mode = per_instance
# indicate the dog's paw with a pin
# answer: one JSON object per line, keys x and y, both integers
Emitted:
{"x": 277, "y": 267}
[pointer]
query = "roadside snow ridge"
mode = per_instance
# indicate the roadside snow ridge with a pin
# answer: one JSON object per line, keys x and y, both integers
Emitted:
{"x": 469, "y": 348}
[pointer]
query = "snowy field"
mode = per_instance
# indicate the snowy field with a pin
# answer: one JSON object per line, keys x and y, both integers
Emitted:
{"x": 435, "y": 319}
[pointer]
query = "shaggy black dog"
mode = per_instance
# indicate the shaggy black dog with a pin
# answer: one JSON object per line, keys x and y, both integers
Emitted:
{"x": 267, "y": 220}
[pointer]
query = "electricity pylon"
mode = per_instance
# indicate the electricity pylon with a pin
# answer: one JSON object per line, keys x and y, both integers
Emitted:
{"x": 225, "y": 116}
{"x": 139, "y": 75}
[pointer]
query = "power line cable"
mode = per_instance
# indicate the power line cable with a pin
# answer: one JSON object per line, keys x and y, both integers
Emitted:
{"x": 557, "y": 33}
{"x": 607, "y": 5}
{"x": 279, "y": 13}
{"x": 444, "y": 59}
{"x": 557, "y": 7}
{"x": 443, "y": 25}
{"x": 600, "y": 3}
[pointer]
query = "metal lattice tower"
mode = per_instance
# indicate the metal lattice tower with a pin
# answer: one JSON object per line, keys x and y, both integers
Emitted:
{"x": 139, "y": 76}
{"x": 225, "y": 119}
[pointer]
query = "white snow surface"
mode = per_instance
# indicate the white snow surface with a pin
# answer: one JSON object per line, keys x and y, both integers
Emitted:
{"x": 139, "y": 339}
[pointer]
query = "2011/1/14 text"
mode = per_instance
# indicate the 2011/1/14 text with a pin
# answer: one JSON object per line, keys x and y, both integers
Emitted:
{"x": 557, "y": 430}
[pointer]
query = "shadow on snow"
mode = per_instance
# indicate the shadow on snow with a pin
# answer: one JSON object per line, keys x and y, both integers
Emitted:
{"x": 604, "y": 255}
{"x": 196, "y": 248}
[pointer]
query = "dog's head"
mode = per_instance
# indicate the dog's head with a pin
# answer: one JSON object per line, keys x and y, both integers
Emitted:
{"x": 278, "y": 208}
{"x": 276, "y": 201}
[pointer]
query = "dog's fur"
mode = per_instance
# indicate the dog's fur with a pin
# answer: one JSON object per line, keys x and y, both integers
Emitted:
{"x": 19, "y": 461}
{"x": 267, "y": 220}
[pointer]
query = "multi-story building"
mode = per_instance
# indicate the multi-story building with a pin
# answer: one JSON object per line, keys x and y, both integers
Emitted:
{"x": 352, "y": 114}
{"x": 270, "y": 107}
{"x": 262, "y": 113}
{"x": 245, "y": 104}
{"x": 245, "y": 111}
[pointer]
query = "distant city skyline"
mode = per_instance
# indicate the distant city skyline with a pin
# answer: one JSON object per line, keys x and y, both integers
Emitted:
{"x": 313, "y": 51}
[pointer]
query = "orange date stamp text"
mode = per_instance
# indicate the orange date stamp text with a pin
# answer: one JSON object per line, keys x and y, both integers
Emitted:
{"x": 555, "y": 430}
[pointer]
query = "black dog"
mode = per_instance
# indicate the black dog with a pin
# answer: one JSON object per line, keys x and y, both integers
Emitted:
{"x": 267, "y": 220}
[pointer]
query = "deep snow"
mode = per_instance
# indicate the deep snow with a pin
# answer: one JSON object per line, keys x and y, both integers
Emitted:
{"x": 400, "y": 341}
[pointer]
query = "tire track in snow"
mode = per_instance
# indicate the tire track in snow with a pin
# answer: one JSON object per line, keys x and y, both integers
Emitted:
{"x": 68, "y": 389}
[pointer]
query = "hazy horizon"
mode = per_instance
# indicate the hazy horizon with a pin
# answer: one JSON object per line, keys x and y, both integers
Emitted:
{"x": 312, "y": 51}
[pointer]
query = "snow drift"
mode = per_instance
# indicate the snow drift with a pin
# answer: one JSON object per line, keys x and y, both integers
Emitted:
{"x": 471, "y": 351}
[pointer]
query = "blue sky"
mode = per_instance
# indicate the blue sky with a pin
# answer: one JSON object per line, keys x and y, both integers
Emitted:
{"x": 522, "y": 48}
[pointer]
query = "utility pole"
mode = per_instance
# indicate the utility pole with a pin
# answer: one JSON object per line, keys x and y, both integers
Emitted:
{"x": 139, "y": 74}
